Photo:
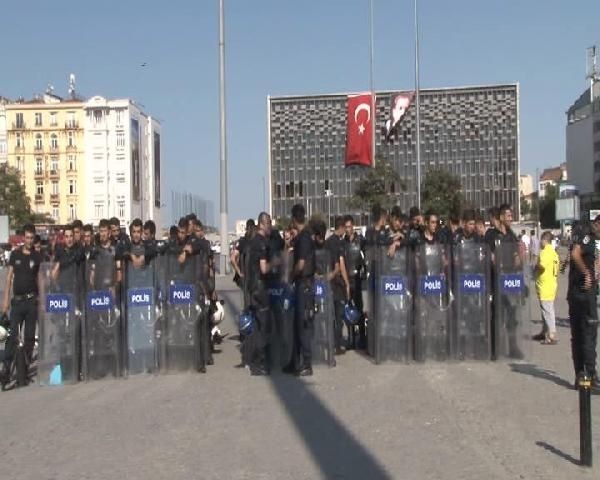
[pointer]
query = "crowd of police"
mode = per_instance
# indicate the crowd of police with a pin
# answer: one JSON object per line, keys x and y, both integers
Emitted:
{"x": 111, "y": 304}
{"x": 408, "y": 289}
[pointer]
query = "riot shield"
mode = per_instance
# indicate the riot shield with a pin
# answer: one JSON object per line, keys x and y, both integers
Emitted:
{"x": 59, "y": 324}
{"x": 432, "y": 303}
{"x": 392, "y": 327}
{"x": 323, "y": 341}
{"x": 471, "y": 336}
{"x": 139, "y": 300}
{"x": 180, "y": 333}
{"x": 281, "y": 336}
{"x": 512, "y": 303}
{"x": 204, "y": 285}
{"x": 103, "y": 341}
{"x": 370, "y": 300}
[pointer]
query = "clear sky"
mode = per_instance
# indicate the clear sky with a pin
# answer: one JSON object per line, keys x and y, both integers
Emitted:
{"x": 292, "y": 47}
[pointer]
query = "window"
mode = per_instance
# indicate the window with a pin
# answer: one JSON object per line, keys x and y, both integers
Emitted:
{"x": 72, "y": 211}
{"x": 98, "y": 210}
{"x": 39, "y": 188}
{"x": 54, "y": 141}
{"x": 120, "y": 178}
{"x": 20, "y": 165}
{"x": 71, "y": 123}
{"x": 119, "y": 115}
{"x": 54, "y": 187}
{"x": 19, "y": 123}
{"x": 53, "y": 121}
{"x": 19, "y": 140}
{"x": 97, "y": 117}
{"x": 70, "y": 139}
{"x": 300, "y": 189}
{"x": 72, "y": 187}
{"x": 120, "y": 139}
{"x": 38, "y": 119}
{"x": 39, "y": 166}
{"x": 278, "y": 190}
{"x": 55, "y": 213}
{"x": 121, "y": 209}
{"x": 72, "y": 163}
{"x": 54, "y": 164}
{"x": 38, "y": 141}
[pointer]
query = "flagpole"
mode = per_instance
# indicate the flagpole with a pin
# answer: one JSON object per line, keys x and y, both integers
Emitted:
{"x": 222, "y": 144}
{"x": 418, "y": 105}
{"x": 371, "y": 81}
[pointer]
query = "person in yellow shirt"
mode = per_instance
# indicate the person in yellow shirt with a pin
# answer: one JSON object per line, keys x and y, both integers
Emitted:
{"x": 546, "y": 283}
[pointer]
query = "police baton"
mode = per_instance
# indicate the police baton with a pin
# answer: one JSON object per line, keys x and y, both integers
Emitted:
{"x": 584, "y": 385}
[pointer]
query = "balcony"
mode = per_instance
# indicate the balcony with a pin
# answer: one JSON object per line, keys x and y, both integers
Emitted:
{"x": 39, "y": 198}
{"x": 54, "y": 148}
{"x": 38, "y": 174}
{"x": 38, "y": 148}
{"x": 54, "y": 174}
{"x": 71, "y": 148}
{"x": 71, "y": 125}
{"x": 19, "y": 126}
{"x": 54, "y": 198}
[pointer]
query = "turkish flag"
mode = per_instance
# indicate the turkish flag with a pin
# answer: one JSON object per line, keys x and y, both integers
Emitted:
{"x": 359, "y": 132}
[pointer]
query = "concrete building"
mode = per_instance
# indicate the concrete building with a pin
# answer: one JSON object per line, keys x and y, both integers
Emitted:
{"x": 122, "y": 162}
{"x": 471, "y": 131}
{"x": 45, "y": 144}
{"x": 552, "y": 177}
{"x": 583, "y": 141}
{"x": 526, "y": 185}
{"x": 3, "y": 131}
{"x": 183, "y": 203}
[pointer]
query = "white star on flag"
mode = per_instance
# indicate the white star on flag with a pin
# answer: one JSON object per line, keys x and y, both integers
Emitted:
{"x": 361, "y": 129}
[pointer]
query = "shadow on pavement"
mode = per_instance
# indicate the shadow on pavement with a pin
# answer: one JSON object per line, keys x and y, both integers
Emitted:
{"x": 334, "y": 449}
{"x": 560, "y": 322}
{"x": 556, "y": 451}
{"x": 537, "y": 372}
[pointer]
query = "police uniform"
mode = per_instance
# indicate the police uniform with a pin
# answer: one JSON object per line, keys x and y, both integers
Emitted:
{"x": 583, "y": 314}
{"x": 335, "y": 246}
{"x": 23, "y": 306}
{"x": 254, "y": 346}
{"x": 304, "y": 308}
{"x": 355, "y": 266}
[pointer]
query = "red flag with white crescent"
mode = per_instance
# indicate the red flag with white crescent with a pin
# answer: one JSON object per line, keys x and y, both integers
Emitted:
{"x": 359, "y": 133}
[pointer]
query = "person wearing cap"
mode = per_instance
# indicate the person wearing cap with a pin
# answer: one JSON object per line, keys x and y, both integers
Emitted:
{"x": 581, "y": 296}
{"x": 238, "y": 253}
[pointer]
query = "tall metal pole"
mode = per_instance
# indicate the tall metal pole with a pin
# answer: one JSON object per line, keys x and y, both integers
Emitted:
{"x": 371, "y": 82}
{"x": 222, "y": 142}
{"x": 418, "y": 104}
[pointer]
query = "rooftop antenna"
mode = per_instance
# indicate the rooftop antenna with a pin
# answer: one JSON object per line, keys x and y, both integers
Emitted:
{"x": 49, "y": 89}
{"x": 592, "y": 68}
{"x": 72, "y": 85}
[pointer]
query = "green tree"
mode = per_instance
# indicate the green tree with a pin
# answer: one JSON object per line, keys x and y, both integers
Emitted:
{"x": 379, "y": 186}
{"x": 441, "y": 192}
{"x": 525, "y": 207}
{"x": 14, "y": 202}
{"x": 548, "y": 208}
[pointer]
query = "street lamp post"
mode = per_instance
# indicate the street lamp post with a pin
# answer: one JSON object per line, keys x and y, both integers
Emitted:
{"x": 328, "y": 194}
{"x": 222, "y": 143}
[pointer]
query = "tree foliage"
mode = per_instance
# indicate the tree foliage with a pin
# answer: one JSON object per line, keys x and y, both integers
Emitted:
{"x": 441, "y": 192}
{"x": 548, "y": 208}
{"x": 14, "y": 201}
{"x": 380, "y": 186}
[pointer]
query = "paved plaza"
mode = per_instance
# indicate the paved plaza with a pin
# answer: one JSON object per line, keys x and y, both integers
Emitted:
{"x": 499, "y": 420}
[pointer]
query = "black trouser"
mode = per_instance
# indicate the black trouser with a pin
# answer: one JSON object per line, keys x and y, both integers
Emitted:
{"x": 338, "y": 322}
{"x": 254, "y": 346}
{"x": 304, "y": 327}
{"x": 584, "y": 331}
{"x": 21, "y": 312}
{"x": 357, "y": 333}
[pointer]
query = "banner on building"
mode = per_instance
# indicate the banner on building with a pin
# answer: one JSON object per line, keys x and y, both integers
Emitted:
{"x": 359, "y": 132}
{"x": 398, "y": 108}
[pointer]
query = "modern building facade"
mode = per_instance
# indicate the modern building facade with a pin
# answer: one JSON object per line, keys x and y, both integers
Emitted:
{"x": 471, "y": 131}
{"x": 183, "y": 203}
{"x": 583, "y": 141}
{"x": 44, "y": 138}
{"x": 122, "y": 162}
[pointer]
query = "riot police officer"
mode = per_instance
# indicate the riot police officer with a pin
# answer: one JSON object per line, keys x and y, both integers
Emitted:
{"x": 340, "y": 285}
{"x": 302, "y": 276}
{"x": 581, "y": 296}
{"x": 255, "y": 345}
{"x": 355, "y": 265}
{"x": 238, "y": 253}
{"x": 468, "y": 232}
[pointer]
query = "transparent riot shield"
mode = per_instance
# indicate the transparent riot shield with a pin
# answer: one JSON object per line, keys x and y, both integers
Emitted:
{"x": 281, "y": 336}
{"x": 392, "y": 327}
{"x": 140, "y": 303}
{"x": 323, "y": 341}
{"x": 180, "y": 334}
{"x": 59, "y": 324}
{"x": 103, "y": 340}
{"x": 471, "y": 335}
{"x": 370, "y": 298}
{"x": 432, "y": 303}
{"x": 512, "y": 303}
{"x": 205, "y": 287}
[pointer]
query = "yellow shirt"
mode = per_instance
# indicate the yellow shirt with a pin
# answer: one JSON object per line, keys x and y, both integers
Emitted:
{"x": 547, "y": 282}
